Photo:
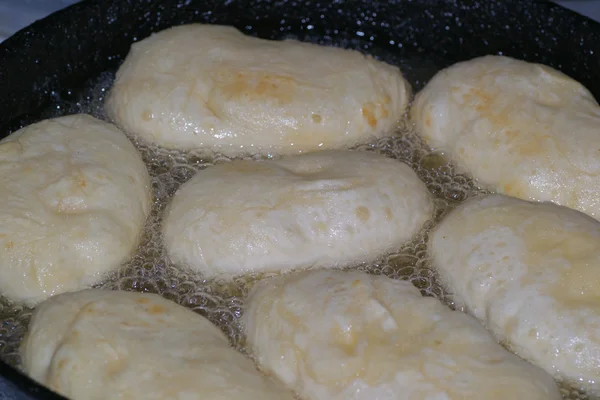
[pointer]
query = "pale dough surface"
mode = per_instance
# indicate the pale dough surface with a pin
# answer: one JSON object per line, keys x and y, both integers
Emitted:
{"x": 334, "y": 335}
{"x": 531, "y": 273}
{"x": 522, "y": 129}
{"x": 98, "y": 345}
{"x": 329, "y": 208}
{"x": 74, "y": 196}
{"x": 207, "y": 86}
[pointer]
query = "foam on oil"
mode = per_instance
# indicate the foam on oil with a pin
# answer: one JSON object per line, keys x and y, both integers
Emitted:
{"x": 150, "y": 270}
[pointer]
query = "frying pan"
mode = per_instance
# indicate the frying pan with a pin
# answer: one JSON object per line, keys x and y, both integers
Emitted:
{"x": 45, "y": 68}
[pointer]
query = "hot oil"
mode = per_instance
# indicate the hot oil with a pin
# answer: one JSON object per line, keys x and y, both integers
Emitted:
{"x": 150, "y": 270}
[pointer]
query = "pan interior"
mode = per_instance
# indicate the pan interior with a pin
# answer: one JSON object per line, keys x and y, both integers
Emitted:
{"x": 222, "y": 302}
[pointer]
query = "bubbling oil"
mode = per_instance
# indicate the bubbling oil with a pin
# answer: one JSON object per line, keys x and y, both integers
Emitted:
{"x": 221, "y": 301}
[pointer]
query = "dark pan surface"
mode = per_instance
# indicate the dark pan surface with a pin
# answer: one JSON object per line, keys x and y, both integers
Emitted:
{"x": 54, "y": 57}
{"x": 48, "y": 69}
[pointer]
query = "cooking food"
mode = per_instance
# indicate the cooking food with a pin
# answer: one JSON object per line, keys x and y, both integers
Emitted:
{"x": 531, "y": 273}
{"x": 522, "y": 129}
{"x": 74, "y": 195}
{"x": 349, "y": 335}
{"x": 98, "y": 345}
{"x": 205, "y": 86}
{"x": 330, "y": 208}
{"x": 57, "y": 63}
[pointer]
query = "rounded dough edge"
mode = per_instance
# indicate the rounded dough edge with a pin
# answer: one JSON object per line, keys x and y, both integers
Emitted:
{"x": 521, "y": 129}
{"x": 100, "y": 344}
{"x": 303, "y": 326}
{"x": 236, "y": 94}
{"x": 75, "y": 197}
{"x": 331, "y": 209}
{"x": 528, "y": 271}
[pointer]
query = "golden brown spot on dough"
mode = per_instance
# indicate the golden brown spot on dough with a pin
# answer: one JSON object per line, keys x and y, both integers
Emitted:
{"x": 513, "y": 189}
{"x": 386, "y": 99}
{"x": 10, "y": 244}
{"x": 428, "y": 122}
{"x": 316, "y": 118}
{"x": 577, "y": 285}
{"x": 437, "y": 342}
{"x": 258, "y": 85}
{"x": 363, "y": 213}
{"x": 388, "y": 213}
{"x": 211, "y": 108}
{"x": 483, "y": 99}
{"x": 61, "y": 364}
{"x": 115, "y": 367}
{"x": 82, "y": 183}
{"x": 266, "y": 373}
{"x": 369, "y": 114}
{"x": 143, "y": 300}
{"x": 157, "y": 309}
{"x": 346, "y": 340}
{"x": 531, "y": 146}
{"x": 356, "y": 283}
{"x": 136, "y": 324}
{"x": 147, "y": 115}
{"x": 509, "y": 133}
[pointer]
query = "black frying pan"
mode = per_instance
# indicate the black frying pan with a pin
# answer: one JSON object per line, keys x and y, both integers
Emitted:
{"x": 46, "y": 69}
